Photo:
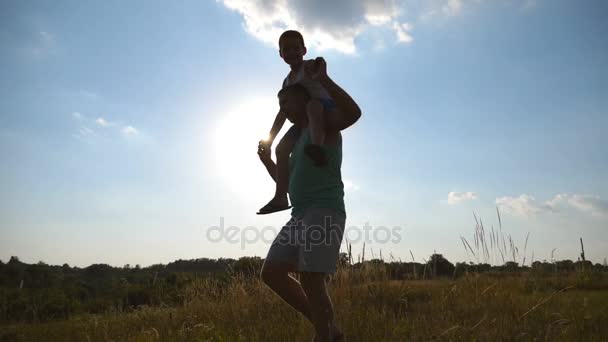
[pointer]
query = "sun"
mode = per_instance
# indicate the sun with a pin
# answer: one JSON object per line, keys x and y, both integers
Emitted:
{"x": 235, "y": 139}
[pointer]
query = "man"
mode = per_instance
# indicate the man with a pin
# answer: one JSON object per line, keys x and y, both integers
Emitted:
{"x": 310, "y": 242}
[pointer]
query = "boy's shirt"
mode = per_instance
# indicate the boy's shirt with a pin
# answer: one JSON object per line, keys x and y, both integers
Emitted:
{"x": 314, "y": 87}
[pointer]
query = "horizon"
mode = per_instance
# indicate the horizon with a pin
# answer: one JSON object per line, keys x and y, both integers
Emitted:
{"x": 128, "y": 130}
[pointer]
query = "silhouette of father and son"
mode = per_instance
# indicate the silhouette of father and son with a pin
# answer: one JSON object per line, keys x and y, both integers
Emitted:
{"x": 308, "y": 168}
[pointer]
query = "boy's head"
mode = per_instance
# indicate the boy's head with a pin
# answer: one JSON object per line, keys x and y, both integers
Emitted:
{"x": 293, "y": 100}
{"x": 291, "y": 47}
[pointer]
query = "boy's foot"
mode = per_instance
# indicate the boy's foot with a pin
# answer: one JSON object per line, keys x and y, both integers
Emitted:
{"x": 317, "y": 154}
{"x": 272, "y": 207}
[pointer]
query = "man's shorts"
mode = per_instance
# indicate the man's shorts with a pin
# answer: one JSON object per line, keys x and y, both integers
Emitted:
{"x": 311, "y": 243}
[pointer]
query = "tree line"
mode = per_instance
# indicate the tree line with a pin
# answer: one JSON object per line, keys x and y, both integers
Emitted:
{"x": 40, "y": 292}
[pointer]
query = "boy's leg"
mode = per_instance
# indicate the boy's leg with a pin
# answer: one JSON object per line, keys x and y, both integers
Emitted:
{"x": 283, "y": 150}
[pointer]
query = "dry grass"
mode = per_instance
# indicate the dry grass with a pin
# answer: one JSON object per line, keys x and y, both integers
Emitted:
{"x": 368, "y": 306}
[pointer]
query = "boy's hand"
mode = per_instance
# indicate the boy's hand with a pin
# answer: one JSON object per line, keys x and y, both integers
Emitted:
{"x": 316, "y": 69}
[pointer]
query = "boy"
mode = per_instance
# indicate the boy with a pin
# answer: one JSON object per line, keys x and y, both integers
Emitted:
{"x": 321, "y": 111}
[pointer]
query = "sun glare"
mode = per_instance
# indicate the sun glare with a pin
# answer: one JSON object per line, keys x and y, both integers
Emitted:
{"x": 236, "y": 138}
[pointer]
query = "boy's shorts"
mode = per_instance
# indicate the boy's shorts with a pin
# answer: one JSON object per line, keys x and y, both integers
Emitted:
{"x": 311, "y": 242}
{"x": 328, "y": 104}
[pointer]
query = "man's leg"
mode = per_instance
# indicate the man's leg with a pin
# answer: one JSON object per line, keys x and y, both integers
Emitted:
{"x": 318, "y": 257}
{"x": 276, "y": 276}
{"x": 320, "y": 306}
{"x": 282, "y": 258}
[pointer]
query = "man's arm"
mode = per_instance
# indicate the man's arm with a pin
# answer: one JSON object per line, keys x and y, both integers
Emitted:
{"x": 350, "y": 110}
{"x": 264, "y": 154}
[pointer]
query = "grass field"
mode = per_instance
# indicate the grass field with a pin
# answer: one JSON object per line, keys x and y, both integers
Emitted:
{"x": 369, "y": 307}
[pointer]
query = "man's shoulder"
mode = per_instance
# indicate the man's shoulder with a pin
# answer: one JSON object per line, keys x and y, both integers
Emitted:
{"x": 334, "y": 138}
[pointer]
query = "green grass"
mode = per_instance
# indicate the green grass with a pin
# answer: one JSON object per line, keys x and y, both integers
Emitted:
{"x": 369, "y": 307}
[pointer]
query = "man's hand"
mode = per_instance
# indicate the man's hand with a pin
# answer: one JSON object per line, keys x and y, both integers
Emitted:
{"x": 316, "y": 69}
{"x": 264, "y": 151}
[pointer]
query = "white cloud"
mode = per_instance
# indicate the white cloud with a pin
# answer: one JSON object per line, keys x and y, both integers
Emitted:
{"x": 590, "y": 204}
{"x": 85, "y": 131}
{"x": 403, "y": 32}
{"x": 452, "y": 7}
{"x": 129, "y": 131}
{"x": 524, "y": 206}
{"x": 101, "y": 122}
{"x": 105, "y": 123}
{"x": 325, "y": 24}
{"x": 528, "y": 206}
{"x": 457, "y": 197}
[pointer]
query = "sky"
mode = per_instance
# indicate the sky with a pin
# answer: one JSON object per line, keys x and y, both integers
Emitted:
{"x": 128, "y": 130}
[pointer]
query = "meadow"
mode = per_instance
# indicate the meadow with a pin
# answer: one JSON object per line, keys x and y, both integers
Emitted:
{"x": 370, "y": 306}
{"x": 374, "y": 300}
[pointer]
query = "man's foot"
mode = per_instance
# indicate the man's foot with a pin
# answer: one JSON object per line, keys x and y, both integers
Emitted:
{"x": 273, "y": 206}
{"x": 317, "y": 154}
{"x": 336, "y": 335}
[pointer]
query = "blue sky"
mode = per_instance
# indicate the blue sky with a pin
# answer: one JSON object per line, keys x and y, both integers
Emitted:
{"x": 128, "y": 129}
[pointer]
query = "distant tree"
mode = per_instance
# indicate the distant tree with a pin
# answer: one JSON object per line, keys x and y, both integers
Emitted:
{"x": 583, "y": 265}
{"x": 511, "y": 266}
{"x": 440, "y": 266}
{"x": 565, "y": 265}
{"x": 248, "y": 266}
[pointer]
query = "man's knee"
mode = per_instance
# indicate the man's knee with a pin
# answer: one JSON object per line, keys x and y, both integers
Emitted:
{"x": 313, "y": 283}
{"x": 271, "y": 275}
{"x": 267, "y": 277}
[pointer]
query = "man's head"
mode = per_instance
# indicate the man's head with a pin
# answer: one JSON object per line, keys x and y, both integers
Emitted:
{"x": 293, "y": 100}
{"x": 291, "y": 47}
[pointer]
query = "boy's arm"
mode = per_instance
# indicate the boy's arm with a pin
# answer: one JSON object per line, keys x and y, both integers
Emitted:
{"x": 351, "y": 111}
{"x": 264, "y": 154}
